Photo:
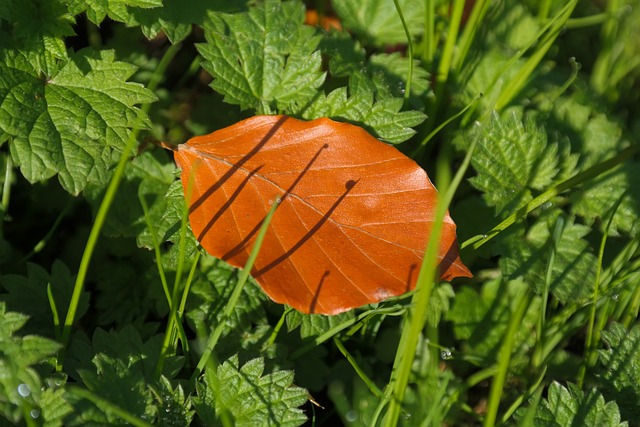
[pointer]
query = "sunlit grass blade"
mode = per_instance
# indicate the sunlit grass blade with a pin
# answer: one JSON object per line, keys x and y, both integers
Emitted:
{"x": 235, "y": 295}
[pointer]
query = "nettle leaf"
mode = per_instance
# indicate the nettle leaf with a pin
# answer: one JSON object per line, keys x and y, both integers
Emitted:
{"x": 572, "y": 406}
{"x": 118, "y": 10}
{"x": 249, "y": 398}
{"x": 512, "y": 159}
{"x": 375, "y": 91}
{"x": 598, "y": 137}
{"x": 148, "y": 175}
{"x": 573, "y": 271}
{"x": 21, "y": 387}
{"x": 28, "y": 294}
{"x": 376, "y": 22}
{"x": 174, "y": 407}
{"x": 600, "y": 196}
{"x": 70, "y": 122}
{"x": 264, "y": 59}
{"x": 359, "y": 105}
{"x": 176, "y": 17}
{"x": 55, "y": 407}
{"x": 481, "y": 318}
{"x": 312, "y": 325}
{"x": 37, "y": 30}
{"x": 209, "y": 296}
{"x": 619, "y": 368}
{"x": 391, "y": 70}
{"x": 120, "y": 382}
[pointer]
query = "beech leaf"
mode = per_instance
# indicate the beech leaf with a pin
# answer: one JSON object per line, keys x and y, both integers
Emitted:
{"x": 354, "y": 219}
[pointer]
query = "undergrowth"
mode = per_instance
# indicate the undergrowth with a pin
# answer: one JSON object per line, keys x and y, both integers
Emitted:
{"x": 524, "y": 114}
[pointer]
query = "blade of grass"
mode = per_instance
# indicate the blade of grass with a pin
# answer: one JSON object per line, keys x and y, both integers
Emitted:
{"x": 590, "y": 354}
{"x": 235, "y": 295}
{"x": 469, "y": 33}
{"x": 414, "y": 322}
{"x": 407, "y": 88}
{"x": 504, "y": 357}
{"x": 536, "y": 360}
{"x": 354, "y": 364}
{"x": 515, "y": 85}
{"x": 107, "y": 201}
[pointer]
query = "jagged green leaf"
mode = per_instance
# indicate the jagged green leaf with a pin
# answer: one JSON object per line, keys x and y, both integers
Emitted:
{"x": 209, "y": 296}
{"x": 175, "y": 407}
{"x": 176, "y": 17}
{"x": 37, "y": 29}
{"x": 28, "y": 294}
{"x": 21, "y": 387}
{"x": 148, "y": 175}
{"x": 569, "y": 406}
{"x": 118, "y": 10}
{"x": 70, "y": 122}
{"x": 359, "y": 105}
{"x": 481, "y": 317}
{"x": 312, "y": 325}
{"x": 527, "y": 255}
{"x": 512, "y": 159}
{"x": 264, "y": 59}
{"x": 598, "y": 137}
{"x": 247, "y": 397}
{"x": 55, "y": 408}
{"x": 376, "y": 22}
{"x": 619, "y": 368}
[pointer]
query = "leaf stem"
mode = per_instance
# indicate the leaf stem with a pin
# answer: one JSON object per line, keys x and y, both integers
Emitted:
{"x": 107, "y": 201}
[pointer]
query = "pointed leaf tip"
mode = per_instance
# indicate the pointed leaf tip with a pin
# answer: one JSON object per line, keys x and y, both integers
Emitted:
{"x": 354, "y": 220}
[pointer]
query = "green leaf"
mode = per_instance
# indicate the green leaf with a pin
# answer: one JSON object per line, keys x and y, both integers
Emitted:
{"x": 264, "y": 59}
{"x": 118, "y": 10}
{"x": 54, "y": 407}
{"x": 380, "y": 116}
{"x": 619, "y": 368}
{"x": 376, "y": 22}
{"x": 248, "y": 397}
{"x": 209, "y": 296}
{"x": 148, "y": 175}
{"x": 37, "y": 30}
{"x": 70, "y": 122}
{"x": 598, "y": 137}
{"x": 312, "y": 325}
{"x": 121, "y": 383}
{"x": 481, "y": 318}
{"x": 176, "y": 17}
{"x": 572, "y": 406}
{"x": 527, "y": 255}
{"x": 28, "y": 294}
{"x": 174, "y": 408}
{"x": 601, "y": 195}
{"x": 512, "y": 159}
{"x": 20, "y": 385}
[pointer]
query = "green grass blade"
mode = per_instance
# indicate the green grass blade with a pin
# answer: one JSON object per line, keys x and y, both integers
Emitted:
{"x": 235, "y": 295}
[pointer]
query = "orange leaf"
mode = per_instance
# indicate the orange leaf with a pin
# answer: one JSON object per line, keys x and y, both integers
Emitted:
{"x": 354, "y": 220}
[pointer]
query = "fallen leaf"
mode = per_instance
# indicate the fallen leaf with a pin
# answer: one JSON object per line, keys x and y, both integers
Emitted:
{"x": 354, "y": 218}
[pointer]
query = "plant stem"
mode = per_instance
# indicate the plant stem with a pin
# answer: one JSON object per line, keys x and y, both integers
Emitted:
{"x": 407, "y": 88}
{"x": 235, "y": 296}
{"x": 108, "y": 199}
